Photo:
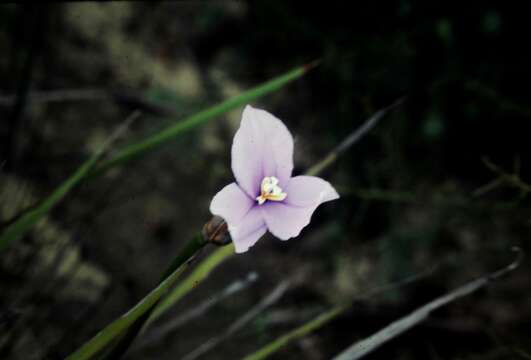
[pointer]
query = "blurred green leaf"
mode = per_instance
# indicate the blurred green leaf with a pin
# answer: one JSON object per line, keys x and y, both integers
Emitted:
{"x": 434, "y": 125}
{"x": 491, "y": 22}
{"x": 297, "y": 333}
{"x": 24, "y": 223}
{"x": 444, "y": 30}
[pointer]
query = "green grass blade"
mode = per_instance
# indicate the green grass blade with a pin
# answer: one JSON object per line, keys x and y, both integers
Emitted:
{"x": 23, "y": 224}
{"x": 352, "y": 139}
{"x": 297, "y": 333}
{"x": 326, "y": 317}
{"x": 365, "y": 346}
{"x": 20, "y": 227}
{"x": 140, "y": 312}
{"x": 199, "y": 274}
{"x": 137, "y": 149}
{"x": 361, "y": 348}
{"x": 98, "y": 342}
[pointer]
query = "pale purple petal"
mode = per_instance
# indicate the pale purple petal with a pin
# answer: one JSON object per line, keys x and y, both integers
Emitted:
{"x": 231, "y": 203}
{"x": 243, "y": 244}
{"x": 286, "y": 221}
{"x": 309, "y": 191}
{"x": 262, "y": 146}
{"x": 248, "y": 230}
{"x": 305, "y": 193}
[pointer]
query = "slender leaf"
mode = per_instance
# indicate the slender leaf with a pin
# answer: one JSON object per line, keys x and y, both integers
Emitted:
{"x": 201, "y": 272}
{"x": 160, "y": 332}
{"x": 366, "y": 346}
{"x": 326, "y": 317}
{"x": 297, "y": 333}
{"x": 242, "y": 321}
{"x": 137, "y": 149}
{"x": 146, "y": 305}
{"x": 352, "y": 139}
{"x": 24, "y": 223}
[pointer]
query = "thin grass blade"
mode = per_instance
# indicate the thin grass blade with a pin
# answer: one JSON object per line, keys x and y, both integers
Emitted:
{"x": 368, "y": 345}
{"x": 138, "y": 149}
{"x": 136, "y": 317}
{"x": 297, "y": 333}
{"x": 24, "y": 223}
{"x": 201, "y": 272}
{"x": 325, "y": 317}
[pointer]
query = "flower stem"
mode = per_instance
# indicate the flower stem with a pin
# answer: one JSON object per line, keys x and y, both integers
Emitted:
{"x": 351, "y": 139}
{"x": 187, "y": 254}
{"x": 183, "y": 259}
{"x": 124, "y": 330}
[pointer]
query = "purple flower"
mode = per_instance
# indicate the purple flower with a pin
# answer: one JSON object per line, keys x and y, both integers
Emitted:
{"x": 265, "y": 196}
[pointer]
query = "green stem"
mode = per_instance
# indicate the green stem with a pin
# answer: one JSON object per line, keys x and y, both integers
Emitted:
{"x": 132, "y": 322}
{"x": 324, "y": 318}
{"x": 352, "y": 139}
{"x": 297, "y": 333}
{"x": 201, "y": 272}
{"x": 190, "y": 249}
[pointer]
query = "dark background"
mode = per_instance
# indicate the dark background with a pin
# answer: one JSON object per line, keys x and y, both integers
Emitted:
{"x": 413, "y": 191}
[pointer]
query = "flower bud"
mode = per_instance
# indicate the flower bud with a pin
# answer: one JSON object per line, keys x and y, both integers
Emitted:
{"x": 216, "y": 231}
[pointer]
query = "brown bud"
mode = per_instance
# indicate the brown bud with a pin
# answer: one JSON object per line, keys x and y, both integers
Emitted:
{"x": 215, "y": 231}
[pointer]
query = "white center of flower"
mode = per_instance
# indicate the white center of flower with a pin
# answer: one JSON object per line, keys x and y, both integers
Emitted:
{"x": 269, "y": 190}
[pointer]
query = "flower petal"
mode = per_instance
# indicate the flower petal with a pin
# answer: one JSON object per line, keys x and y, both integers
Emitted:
{"x": 246, "y": 233}
{"x": 262, "y": 146}
{"x": 243, "y": 244}
{"x": 286, "y": 221}
{"x": 305, "y": 193}
{"x": 308, "y": 191}
{"x": 231, "y": 203}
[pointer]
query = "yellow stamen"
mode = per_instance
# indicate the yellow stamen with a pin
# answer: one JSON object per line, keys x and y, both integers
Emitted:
{"x": 269, "y": 190}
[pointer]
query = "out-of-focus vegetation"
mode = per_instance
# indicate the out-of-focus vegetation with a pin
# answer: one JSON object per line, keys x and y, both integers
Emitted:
{"x": 444, "y": 180}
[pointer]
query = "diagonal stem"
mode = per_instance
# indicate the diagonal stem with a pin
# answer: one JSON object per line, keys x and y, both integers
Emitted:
{"x": 366, "y": 346}
{"x": 352, "y": 139}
